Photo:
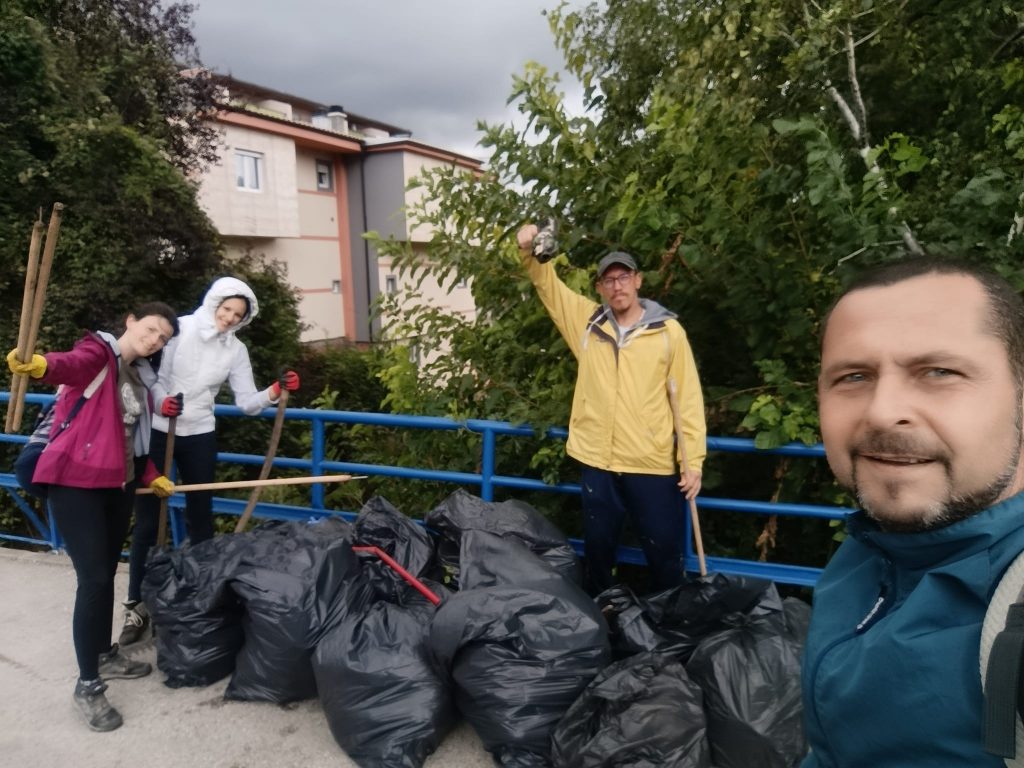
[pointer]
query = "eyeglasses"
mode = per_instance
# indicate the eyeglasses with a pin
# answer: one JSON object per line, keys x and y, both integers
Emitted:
{"x": 612, "y": 280}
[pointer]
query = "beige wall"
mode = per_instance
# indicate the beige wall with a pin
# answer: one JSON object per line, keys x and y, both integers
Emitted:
{"x": 271, "y": 212}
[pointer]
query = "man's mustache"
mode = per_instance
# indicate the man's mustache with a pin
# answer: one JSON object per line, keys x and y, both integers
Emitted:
{"x": 897, "y": 445}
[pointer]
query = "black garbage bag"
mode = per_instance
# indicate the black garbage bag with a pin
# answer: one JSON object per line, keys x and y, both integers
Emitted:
{"x": 520, "y": 641}
{"x": 197, "y": 619}
{"x": 296, "y": 582}
{"x": 677, "y": 619}
{"x": 380, "y": 524}
{"x": 386, "y": 703}
{"x": 640, "y": 712}
{"x": 462, "y": 512}
{"x": 798, "y": 619}
{"x": 750, "y": 675}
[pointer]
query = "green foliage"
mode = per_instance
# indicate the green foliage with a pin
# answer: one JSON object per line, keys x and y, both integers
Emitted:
{"x": 95, "y": 113}
{"x": 754, "y": 156}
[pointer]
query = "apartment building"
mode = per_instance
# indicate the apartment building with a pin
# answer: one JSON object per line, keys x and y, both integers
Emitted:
{"x": 299, "y": 182}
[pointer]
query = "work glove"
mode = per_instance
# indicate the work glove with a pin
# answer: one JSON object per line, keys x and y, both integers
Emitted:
{"x": 172, "y": 405}
{"x": 162, "y": 486}
{"x": 289, "y": 380}
{"x": 35, "y": 368}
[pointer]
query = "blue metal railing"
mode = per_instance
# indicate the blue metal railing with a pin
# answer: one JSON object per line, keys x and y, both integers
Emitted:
{"x": 487, "y": 480}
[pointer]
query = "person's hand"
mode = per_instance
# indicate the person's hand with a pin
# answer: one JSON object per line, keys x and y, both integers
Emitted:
{"x": 289, "y": 380}
{"x": 689, "y": 483}
{"x": 525, "y": 237}
{"x": 172, "y": 405}
{"x": 35, "y": 367}
{"x": 162, "y": 486}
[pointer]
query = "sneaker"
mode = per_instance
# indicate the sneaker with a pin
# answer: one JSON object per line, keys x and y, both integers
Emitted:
{"x": 136, "y": 621}
{"x": 94, "y": 705}
{"x": 114, "y": 665}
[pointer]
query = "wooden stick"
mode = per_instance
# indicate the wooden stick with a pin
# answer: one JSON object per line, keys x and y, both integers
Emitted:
{"x": 258, "y": 483}
{"x": 161, "y": 531}
{"x": 694, "y": 519}
{"x": 268, "y": 461}
{"x": 19, "y": 381}
{"x": 38, "y": 297}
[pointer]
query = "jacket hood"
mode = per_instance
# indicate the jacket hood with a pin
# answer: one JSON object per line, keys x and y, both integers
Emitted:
{"x": 654, "y": 312}
{"x": 221, "y": 289}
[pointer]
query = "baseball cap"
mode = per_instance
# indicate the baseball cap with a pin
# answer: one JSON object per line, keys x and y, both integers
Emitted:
{"x": 616, "y": 257}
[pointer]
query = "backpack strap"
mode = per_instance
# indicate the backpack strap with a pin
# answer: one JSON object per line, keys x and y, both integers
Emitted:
{"x": 89, "y": 392}
{"x": 1002, "y": 667}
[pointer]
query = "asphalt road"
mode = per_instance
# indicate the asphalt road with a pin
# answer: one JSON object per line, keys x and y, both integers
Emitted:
{"x": 163, "y": 728}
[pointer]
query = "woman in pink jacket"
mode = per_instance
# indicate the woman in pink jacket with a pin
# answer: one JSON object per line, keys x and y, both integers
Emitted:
{"x": 92, "y": 465}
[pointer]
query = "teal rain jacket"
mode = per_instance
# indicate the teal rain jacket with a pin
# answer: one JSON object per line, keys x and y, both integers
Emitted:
{"x": 890, "y": 670}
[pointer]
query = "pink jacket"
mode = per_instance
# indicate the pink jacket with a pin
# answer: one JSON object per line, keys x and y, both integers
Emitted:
{"x": 90, "y": 453}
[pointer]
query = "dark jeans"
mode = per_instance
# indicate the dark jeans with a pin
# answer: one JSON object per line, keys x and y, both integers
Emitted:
{"x": 657, "y": 509}
{"x": 196, "y": 458}
{"x": 93, "y": 522}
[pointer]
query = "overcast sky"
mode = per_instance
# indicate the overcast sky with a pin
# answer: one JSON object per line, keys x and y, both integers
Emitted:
{"x": 434, "y": 67}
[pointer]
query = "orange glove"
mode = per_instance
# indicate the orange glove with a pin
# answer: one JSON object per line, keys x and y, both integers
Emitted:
{"x": 289, "y": 380}
{"x": 172, "y": 405}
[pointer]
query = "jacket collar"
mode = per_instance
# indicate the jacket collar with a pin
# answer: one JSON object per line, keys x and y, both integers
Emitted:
{"x": 930, "y": 549}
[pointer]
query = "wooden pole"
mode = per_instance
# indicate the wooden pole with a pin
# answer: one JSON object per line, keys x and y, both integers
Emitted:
{"x": 18, "y": 382}
{"x": 38, "y": 297}
{"x": 257, "y": 483}
{"x": 161, "y": 531}
{"x": 694, "y": 518}
{"x": 268, "y": 461}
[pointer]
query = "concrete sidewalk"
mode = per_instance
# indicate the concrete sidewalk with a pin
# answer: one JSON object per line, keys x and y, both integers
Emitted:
{"x": 164, "y": 728}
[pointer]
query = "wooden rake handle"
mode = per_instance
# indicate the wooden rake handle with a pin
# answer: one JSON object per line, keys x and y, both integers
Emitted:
{"x": 268, "y": 461}
{"x": 677, "y": 421}
{"x": 229, "y": 484}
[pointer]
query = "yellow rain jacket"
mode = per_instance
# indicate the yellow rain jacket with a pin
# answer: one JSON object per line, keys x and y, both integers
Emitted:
{"x": 621, "y": 414}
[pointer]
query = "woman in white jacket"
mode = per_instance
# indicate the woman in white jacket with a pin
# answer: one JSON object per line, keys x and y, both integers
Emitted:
{"x": 195, "y": 365}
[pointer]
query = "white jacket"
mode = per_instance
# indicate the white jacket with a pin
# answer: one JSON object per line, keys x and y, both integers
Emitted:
{"x": 199, "y": 360}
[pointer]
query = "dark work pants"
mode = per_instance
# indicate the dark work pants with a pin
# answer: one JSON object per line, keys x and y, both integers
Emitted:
{"x": 196, "y": 458}
{"x": 93, "y": 522}
{"x": 657, "y": 509}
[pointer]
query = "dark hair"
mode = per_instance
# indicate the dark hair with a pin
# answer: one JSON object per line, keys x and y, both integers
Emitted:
{"x": 1005, "y": 306}
{"x": 248, "y": 308}
{"x": 159, "y": 309}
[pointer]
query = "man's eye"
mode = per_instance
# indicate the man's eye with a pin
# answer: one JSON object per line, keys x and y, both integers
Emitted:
{"x": 851, "y": 378}
{"x": 940, "y": 372}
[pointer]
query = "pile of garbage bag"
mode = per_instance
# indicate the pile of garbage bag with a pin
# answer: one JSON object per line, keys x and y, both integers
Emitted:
{"x": 402, "y": 629}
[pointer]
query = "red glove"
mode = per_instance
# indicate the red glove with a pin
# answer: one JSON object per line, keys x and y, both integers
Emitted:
{"x": 172, "y": 406}
{"x": 289, "y": 380}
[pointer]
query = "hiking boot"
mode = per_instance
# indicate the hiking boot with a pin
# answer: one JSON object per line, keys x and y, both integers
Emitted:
{"x": 94, "y": 705}
{"x": 114, "y": 665}
{"x": 136, "y": 621}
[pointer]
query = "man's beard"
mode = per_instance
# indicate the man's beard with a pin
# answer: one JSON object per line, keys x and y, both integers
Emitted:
{"x": 942, "y": 512}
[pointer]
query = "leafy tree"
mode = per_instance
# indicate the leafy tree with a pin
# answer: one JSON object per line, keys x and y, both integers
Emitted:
{"x": 103, "y": 107}
{"x": 95, "y": 113}
{"x": 754, "y": 155}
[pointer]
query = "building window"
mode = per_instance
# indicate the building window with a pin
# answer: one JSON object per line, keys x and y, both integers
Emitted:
{"x": 324, "y": 177}
{"x": 248, "y": 170}
{"x": 391, "y": 285}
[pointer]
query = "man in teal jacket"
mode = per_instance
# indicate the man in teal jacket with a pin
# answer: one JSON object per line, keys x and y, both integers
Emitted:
{"x": 920, "y": 393}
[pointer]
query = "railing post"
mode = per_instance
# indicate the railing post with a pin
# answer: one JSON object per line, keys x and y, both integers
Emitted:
{"x": 487, "y": 465}
{"x": 317, "y": 493}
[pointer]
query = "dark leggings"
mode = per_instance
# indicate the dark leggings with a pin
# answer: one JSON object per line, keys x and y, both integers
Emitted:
{"x": 657, "y": 509}
{"x": 196, "y": 458}
{"x": 93, "y": 522}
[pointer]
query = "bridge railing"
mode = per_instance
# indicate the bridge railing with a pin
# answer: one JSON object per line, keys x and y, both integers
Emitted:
{"x": 483, "y": 482}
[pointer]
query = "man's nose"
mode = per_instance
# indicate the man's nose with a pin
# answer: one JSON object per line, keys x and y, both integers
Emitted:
{"x": 891, "y": 404}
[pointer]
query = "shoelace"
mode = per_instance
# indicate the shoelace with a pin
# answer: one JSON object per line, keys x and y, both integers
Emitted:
{"x": 133, "y": 617}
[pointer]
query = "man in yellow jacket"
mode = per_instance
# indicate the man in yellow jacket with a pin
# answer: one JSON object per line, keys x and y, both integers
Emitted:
{"x": 629, "y": 352}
